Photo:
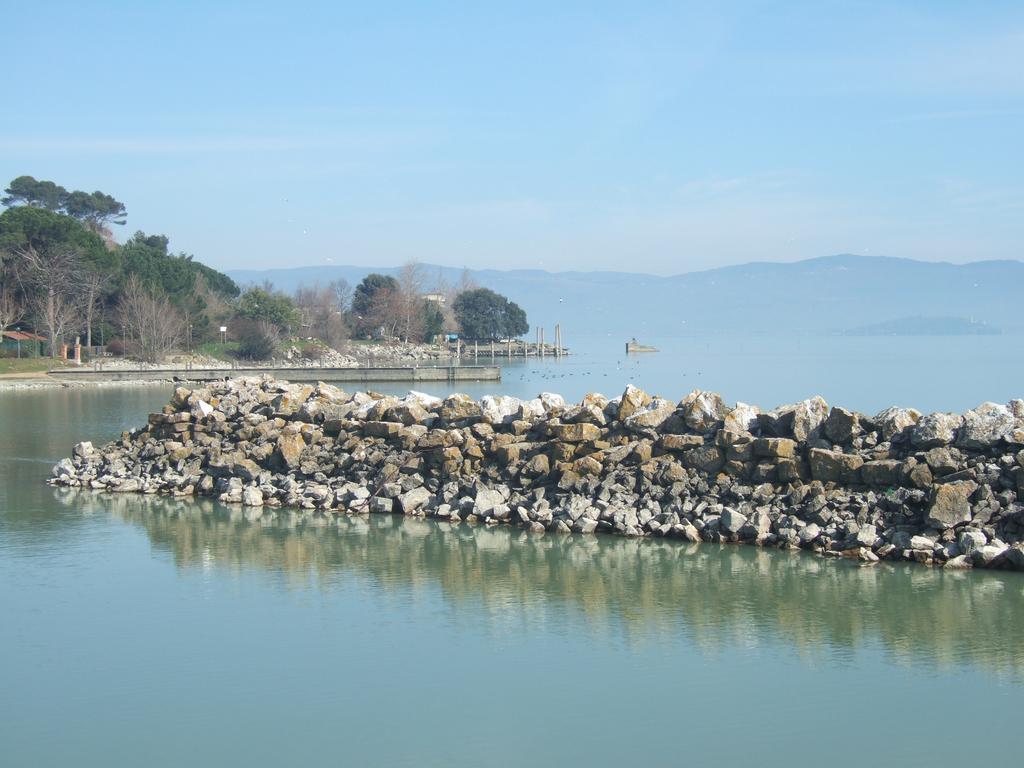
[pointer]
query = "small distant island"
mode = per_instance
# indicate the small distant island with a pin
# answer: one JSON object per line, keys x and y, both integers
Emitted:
{"x": 925, "y": 326}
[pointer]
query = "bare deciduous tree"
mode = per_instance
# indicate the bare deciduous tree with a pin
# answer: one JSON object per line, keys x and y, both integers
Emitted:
{"x": 342, "y": 294}
{"x": 11, "y": 308}
{"x": 409, "y": 302}
{"x": 55, "y": 303}
{"x": 320, "y": 314}
{"x": 151, "y": 321}
{"x": 93, "y": 285}
{"x": 385, "y": 313}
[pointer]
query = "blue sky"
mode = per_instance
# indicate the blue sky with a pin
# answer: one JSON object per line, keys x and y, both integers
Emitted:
{"x": 659, "y": 137}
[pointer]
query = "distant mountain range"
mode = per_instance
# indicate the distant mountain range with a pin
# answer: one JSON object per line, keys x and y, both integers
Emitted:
{"x": 831, "y": 294}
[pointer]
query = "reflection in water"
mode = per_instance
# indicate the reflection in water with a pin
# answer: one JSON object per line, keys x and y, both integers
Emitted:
{"x": 718, "y": 597}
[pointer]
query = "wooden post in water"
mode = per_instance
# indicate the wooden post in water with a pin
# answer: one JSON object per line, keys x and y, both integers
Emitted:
{"x": 558, "y": 341}
{"x": 509, "y": 349}
{"x": 541, "y": 343}
{"x": 476, "y": 349}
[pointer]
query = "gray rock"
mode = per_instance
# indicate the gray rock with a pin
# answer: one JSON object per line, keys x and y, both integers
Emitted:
{"x": 841, "y": 426}
{"x": 708, "y": 459}
{"x": 289, "y": 450}
{"x": 702, "y": 411}
{"x": 950, "y": 504}
{"x": 775, "y": 447}
{"x": 808, "y": 416}
{"x": 834, "y": 466}
{"x": 987, "y": 556}
{"x": 731, "y": 521}
{"x": 893, "y": 422}
{"x": 83, "y": 450}
{"x": 631, "y": 401}
{"x": 884, "y": 472}
{"x": 809, "y": 533}
{"x": 986, "y": 425}
{"x": 1014, "y": 557}
{"x": 486, "y": 500}
{"x": 650, "y": 416}
{"x": 959, "y": 562}
{"x": 742, "y": 418}
{"x": 252, "y": 496}
{"x": 922, "y": 542}
{"x": 381, "y": 505}
{"x": 970, "y": 540}
{"x": 866, "y": 536}
{"x": 414, "y": 499}
{"x": 935, "y": 430}
{"x": 499, "y": 409}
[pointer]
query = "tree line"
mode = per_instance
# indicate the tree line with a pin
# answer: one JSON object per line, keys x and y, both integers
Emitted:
{"x": 408, "y": 307}
{"x": 63, "y": 275}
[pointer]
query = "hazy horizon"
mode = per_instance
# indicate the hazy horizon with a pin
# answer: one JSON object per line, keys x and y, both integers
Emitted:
{"x": 638, "y": 272}
{"x": 664, "y": 139}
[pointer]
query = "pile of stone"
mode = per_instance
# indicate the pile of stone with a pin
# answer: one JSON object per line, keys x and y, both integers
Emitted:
{"x": 940, "y": 489}
{"x": 398, "y": 353}
{"x": 325, "y": 357}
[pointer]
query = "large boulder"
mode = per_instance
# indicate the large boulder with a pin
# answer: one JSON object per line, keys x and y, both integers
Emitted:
{"x": 950, "y": 504}
{"x": 742, "y": 418}
{"x": 486, "y": 500}
{"x": 633, "y": 400}
{"x": 407, "y": 413}
{"x": 575, "y": 433}
{"x": 589, "y": 412}
{"x": 650, "y": 416}
{"x": 530, "y": 410}
{"x": 800, "y": 420}
{"x": 731, "y": 521}
{"x": 708, "y": 459}
{"x": 500, "y": 409}
{"x": 841, "y": 426}
{"x": 551, "y": 401}
{"x": 775, "y": 447}
{"x": 420, "y": 398}
{"x": 289, "y": 450}
{"x": 834, "y": 466}
{"x": 935, "y": 430}
{"x": 808, "y": 416}
{"x": 291, "y": 399}
{"x": 459, "y": 407}
{"x": 252, "y": 496}
{"x": 413, "y": 499}
{"x": 893, "y": 422}
{"x": 883, "y": 472}
{"x": 985, "y": 426}
{"x": 702, "y": 411}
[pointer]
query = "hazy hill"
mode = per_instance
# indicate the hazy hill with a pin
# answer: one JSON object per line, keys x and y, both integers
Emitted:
{"x": 824, "y": 295}
{"x": 926, "y": 326}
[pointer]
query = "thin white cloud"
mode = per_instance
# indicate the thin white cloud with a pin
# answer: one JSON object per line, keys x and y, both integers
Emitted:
{"x": 956, "y": 114}
{"x": 148, "y": 146}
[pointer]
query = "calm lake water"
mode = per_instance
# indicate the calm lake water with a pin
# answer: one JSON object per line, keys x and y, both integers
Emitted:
{"x": 153, "y": 632}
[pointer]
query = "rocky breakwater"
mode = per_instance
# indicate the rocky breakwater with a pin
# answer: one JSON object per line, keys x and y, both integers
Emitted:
{"x": 941, "y": 489}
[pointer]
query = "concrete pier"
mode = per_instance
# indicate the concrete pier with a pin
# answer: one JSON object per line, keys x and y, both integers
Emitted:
{"x": 448, "y": 373}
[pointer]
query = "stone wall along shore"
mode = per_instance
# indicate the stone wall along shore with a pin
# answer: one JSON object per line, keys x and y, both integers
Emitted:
{"x": 941, "y": 489}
